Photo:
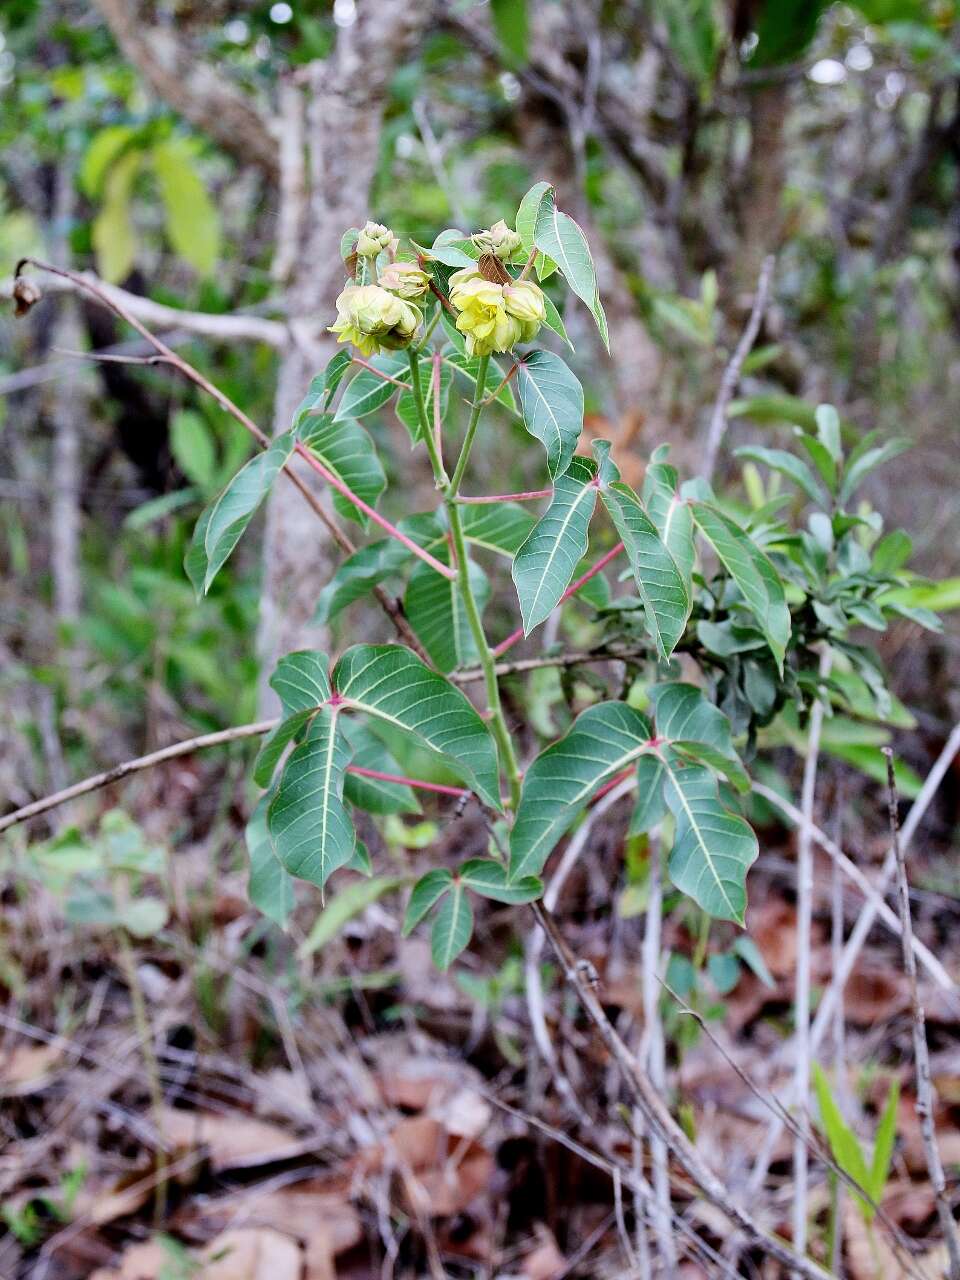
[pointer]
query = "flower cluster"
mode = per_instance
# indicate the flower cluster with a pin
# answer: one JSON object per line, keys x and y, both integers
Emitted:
{"x": 494, "y": 317}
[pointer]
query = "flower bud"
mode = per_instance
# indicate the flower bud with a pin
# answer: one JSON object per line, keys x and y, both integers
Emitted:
{"x": 374, "y": 238}
{"x": 498, "y": 240}
{"x": 494, "y": 317}
{"x": 406, "y": 280}
{"x": 25, "y": 295}
{"x": 370, "y": 317}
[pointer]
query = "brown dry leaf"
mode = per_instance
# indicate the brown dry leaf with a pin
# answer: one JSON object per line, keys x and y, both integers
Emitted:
{"x": 546, "y": 1262}
{"x": 873, "y": 994}
{"x": 448, "y": 1171}
{"x": 234, "y": 1141}
{"x": 773, "y": 927}
{"x": 908, "y": 1127}
{"x": 103, "y": 1202}
{"x": 139, "y": 1262}
{"x": 27, "y": 1067}
{"x": 862, "y": 1260}
{"x": 252, "y": 1253}
{"x": 438, "y": 1088}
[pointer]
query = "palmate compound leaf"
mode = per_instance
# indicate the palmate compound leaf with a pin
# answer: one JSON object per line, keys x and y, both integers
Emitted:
{"x": 551, "y": 404}
{"x": 435, "y": 609}
{"x": 713, "y": 848}
{"x": 558, "y": 237}
{"x": 757, "y": 579}
{"x": 374, "y": 794}
{"x": 671, "y": 514}
{"x": 603, "y": 741}
{"x": 345, "y": 449}
{"x": 220, "y": 528}
{"x": 270, "y": 885}
{"x": 543, "y": 567}
{"x": 661, "y": 584}
{"x": 392, "y": 683}
{"x": 308, "y": 822}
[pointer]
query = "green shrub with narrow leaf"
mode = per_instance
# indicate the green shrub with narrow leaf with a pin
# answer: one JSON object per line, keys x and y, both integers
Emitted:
{"x": 720, "y": 627}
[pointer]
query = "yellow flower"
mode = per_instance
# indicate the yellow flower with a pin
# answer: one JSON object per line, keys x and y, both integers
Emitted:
{"x": 499, "y": 240}
{"x": 371, "y": 318}
{"x": 405, "y": 279}
{"x": 374, "y": 238}
{"x": 494, "y": 317}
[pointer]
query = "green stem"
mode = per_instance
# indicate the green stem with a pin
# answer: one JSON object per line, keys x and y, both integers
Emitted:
{"x": 428, "y": 331}
{"x": 454, "y": 487}
{"x": 426, "y": 429}
{"x": 498, "y": 723}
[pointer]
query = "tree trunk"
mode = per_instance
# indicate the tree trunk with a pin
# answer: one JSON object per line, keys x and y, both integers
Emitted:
{"x": 325, "y": 189}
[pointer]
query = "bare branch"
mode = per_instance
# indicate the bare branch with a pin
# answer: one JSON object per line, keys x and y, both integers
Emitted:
{"x": 227, "y": 328}
{"x": 921, "y": 1053}
{"x": 731, "y": 374}
{"x": 193, "y": 88}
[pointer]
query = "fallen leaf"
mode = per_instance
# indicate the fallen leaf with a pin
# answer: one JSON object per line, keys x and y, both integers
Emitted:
{"x": 448, "y": 1172}
{"x": 546, "y": 1262}
{"x": 252, "y": 1253}
{"x": 27, "y": 1067}
{"x": 139, "y": 1262}
{"x": 234, "y": 1141}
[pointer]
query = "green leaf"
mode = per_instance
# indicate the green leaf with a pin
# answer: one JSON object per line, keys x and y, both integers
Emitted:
{"x": 345, "y": 448}
{"x": 321, "y": 388}
{"x": 496, "y": 373}
{"x": 192, "y": 446}
{"x": 392, "y": 683}
{"x": 427, "y": 892}
{"x": 233, "y": 510}
{"x": 671, "y": 514}
{"x": 374, "y": 794}
{"x": 557, "y": 235}
{"x": 692, "y": 32}
{"x": 143, "y": 917}
{"x": 193, "y": 223}
{"x": 551, "y": 403}
{"x": 860, "y": 466}
{"x": 828, "y": 431}
{"x": 684, "y": 713}
{"x": 666, "y": 600}
{"x": 270, "y": 886}
{"x": 501, "y": 527}
{"x": 452, "y": 927}
{"x": 307, "y": 820}
{"x": 713, "y": 848}
{"x": 724, "y": 971}
{"x": 604, "y": 740}
{"x": 511, "y": 22}
{"x": 436, "y": 611}
{"x": 366, "y": 392}
{"x": 753, "y": 573}
{"x": 543, "y": 567}
{"x": 104, "y": 149}
{"x": 526, "y": 221}
{"x": 750, "y": 954}
{"x": 114, "y": 238}
{"x": 844, "y": 1144}
{"x": 342, "y": 908}
{"x": 489, "y": 879}
{"x": 372, "y": 564}
{"x": 274, "y": 745}
{"x": 552, "y": 317}
{"x": 651, "y": 807}
{"x": 301, "y": 682}
{"x": 883, "y": 1146}
{"x": 787, "y": 464}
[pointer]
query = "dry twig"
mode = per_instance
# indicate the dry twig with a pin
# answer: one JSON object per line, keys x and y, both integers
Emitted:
{"x": 921, "y": 1053}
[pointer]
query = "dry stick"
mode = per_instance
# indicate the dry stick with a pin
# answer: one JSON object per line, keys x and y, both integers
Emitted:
{"x": 846, "y": 866}
{"x": 858, "y": 937}
{"x": 925, "y": 1093}
{"x": 534, "y": 948}
{"x": 801, "y": 1002}
{"x": 648, "y": 1099}
{"x": 652, "y": 1052}
{"x": 731, "y": 374}
{"x": 107, "y": 297}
